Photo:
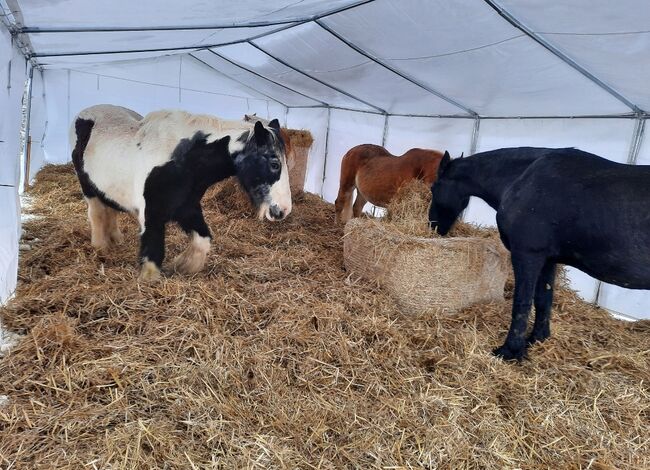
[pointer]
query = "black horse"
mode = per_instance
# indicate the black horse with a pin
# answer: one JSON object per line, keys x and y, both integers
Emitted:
{"x": 553, "y": 206}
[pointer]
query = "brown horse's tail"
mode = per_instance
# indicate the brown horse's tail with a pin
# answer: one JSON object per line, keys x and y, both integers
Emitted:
{"x": 349, "y": 165}
{"x": 347, "y": 183}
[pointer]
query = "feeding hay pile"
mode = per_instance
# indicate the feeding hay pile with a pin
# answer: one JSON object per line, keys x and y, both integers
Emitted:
{"x": 300, "y": 142}
{"x": 421, "y": 273}
{"x": 269, "y": 359}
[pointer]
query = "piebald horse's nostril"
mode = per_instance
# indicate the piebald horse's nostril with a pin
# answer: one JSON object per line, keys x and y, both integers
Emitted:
{"x": 276, "y": 212}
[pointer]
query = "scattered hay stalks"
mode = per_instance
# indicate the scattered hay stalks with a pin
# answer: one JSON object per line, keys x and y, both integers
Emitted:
{"x": 268, "y": 358}
{"x": 423, "y": 273}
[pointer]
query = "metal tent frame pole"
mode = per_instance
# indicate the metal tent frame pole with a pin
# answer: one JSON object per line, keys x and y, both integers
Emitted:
{"x": 327, "y": 139}
{"x": 335, "y": 88}
{"x": 252, "y": 24}
{"x": 394, "y": 70}
{"x": 560, "y": 55}
{"x": 475, "y": 133}
{"x": 28, "y": 122}
{"x": 637, "y": 140}
{"x": 267, "y": 79}
{"x": 238, "y": 81}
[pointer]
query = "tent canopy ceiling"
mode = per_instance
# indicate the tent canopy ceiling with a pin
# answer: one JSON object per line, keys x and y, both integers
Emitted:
{"x": 467, "y": 58}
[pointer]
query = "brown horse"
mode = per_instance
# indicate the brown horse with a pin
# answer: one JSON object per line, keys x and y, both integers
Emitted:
{"x": 377, "y": 175}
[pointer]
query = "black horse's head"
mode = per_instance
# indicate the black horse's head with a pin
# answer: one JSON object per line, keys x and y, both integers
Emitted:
{"x": 261, "y": 167}
{"x": 447, "y": 197}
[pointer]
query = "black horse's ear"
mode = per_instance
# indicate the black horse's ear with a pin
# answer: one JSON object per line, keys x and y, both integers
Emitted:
{"x": 260, "y": 133}
{"x": 275, "y": 124}
{"x": 223, "y": 142}
{"x": 444, "y": 163}
{"x": 461, "y": 155}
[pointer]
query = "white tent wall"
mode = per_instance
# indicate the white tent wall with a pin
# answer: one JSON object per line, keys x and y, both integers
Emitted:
{"x": 347, "y": 129}
{"x": 13, "y": 72}
{"x": 316, "y": 121}
{"x": 453, "y": 135}
{"x": 177, "y": 82}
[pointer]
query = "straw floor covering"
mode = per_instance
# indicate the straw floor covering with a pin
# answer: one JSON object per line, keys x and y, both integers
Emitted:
{"x": 271, "y": 358}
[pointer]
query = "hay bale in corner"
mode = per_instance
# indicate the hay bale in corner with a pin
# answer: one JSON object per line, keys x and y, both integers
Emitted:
{"x": 298, "y": 153}
{"x": 424, "y": 274}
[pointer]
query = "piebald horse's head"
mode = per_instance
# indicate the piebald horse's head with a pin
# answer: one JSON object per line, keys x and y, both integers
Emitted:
{"x": 261, "y": 166}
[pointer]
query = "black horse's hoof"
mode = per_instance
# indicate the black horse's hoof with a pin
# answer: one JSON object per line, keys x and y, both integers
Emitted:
{"x": 533, "y": 338}
{"x": 507, "y": 354}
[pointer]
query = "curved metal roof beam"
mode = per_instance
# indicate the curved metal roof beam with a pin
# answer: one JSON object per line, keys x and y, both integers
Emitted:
{"x": 252, "y": 24}
{"x": 266, "y": 78}
{"x": 339, "y": 90}
{"x": 560, "y": 55}
{"x": 397, "y": 72}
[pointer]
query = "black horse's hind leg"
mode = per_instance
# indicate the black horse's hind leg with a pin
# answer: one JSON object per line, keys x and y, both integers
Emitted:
{"x": 543, "y": 304}
{"x": 527, "y": 268}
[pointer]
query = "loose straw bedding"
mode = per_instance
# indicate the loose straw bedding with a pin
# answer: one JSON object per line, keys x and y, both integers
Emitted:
{"x": 273, "y": 358}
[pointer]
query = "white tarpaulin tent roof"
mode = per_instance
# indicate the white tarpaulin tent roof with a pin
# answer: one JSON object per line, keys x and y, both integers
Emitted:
{"x": 466, "y": 76}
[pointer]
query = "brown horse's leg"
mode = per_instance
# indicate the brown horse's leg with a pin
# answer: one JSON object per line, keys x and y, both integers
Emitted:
{"x": 359, "y": 203}
{"x": 343, "y": 203}
{"x": 97, "y": 215}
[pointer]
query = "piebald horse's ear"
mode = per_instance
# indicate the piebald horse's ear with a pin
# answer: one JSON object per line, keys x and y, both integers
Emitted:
{"x": 275, "y": 124}
{"x": 260, "y": 133}
{"x": 444, "y": 163}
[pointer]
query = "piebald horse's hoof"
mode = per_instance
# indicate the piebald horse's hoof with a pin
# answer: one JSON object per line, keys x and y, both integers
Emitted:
{"x": 187, "y": 264}
{"x": 149, "y": 272}
{"x": 117, "y": 238}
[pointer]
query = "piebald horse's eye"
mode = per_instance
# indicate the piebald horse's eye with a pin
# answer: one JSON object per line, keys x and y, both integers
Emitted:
{"x": 275, "y": 165}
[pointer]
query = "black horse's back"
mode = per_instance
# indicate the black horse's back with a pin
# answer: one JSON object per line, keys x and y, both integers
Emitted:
{"x": 553, "y": 206}
{"x": 584, "y": 211}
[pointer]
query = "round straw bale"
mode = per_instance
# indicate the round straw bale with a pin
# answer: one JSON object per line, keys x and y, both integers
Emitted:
{"x": 423, "y": 274}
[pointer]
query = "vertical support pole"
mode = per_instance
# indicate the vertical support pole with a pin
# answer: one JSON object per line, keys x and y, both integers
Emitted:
{"x": 384, "y": 136}
{"x": 28, "y": 159}
{"x": 637, "y": 139}
{"x": 385, "y": 133}
{"x": 28, "y": 120}
{"x": 327, "y": 138}
{"x": 473, "y": 144}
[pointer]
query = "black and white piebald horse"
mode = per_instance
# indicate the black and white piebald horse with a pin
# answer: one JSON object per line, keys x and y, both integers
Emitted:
{"x": 553, "y": 206}
{"x": 159, "y": 167}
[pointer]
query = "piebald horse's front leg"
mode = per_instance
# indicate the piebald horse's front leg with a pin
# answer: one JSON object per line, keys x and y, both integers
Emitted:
{"x": 152, "y": 249}
{"x": 193, "y": 258}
